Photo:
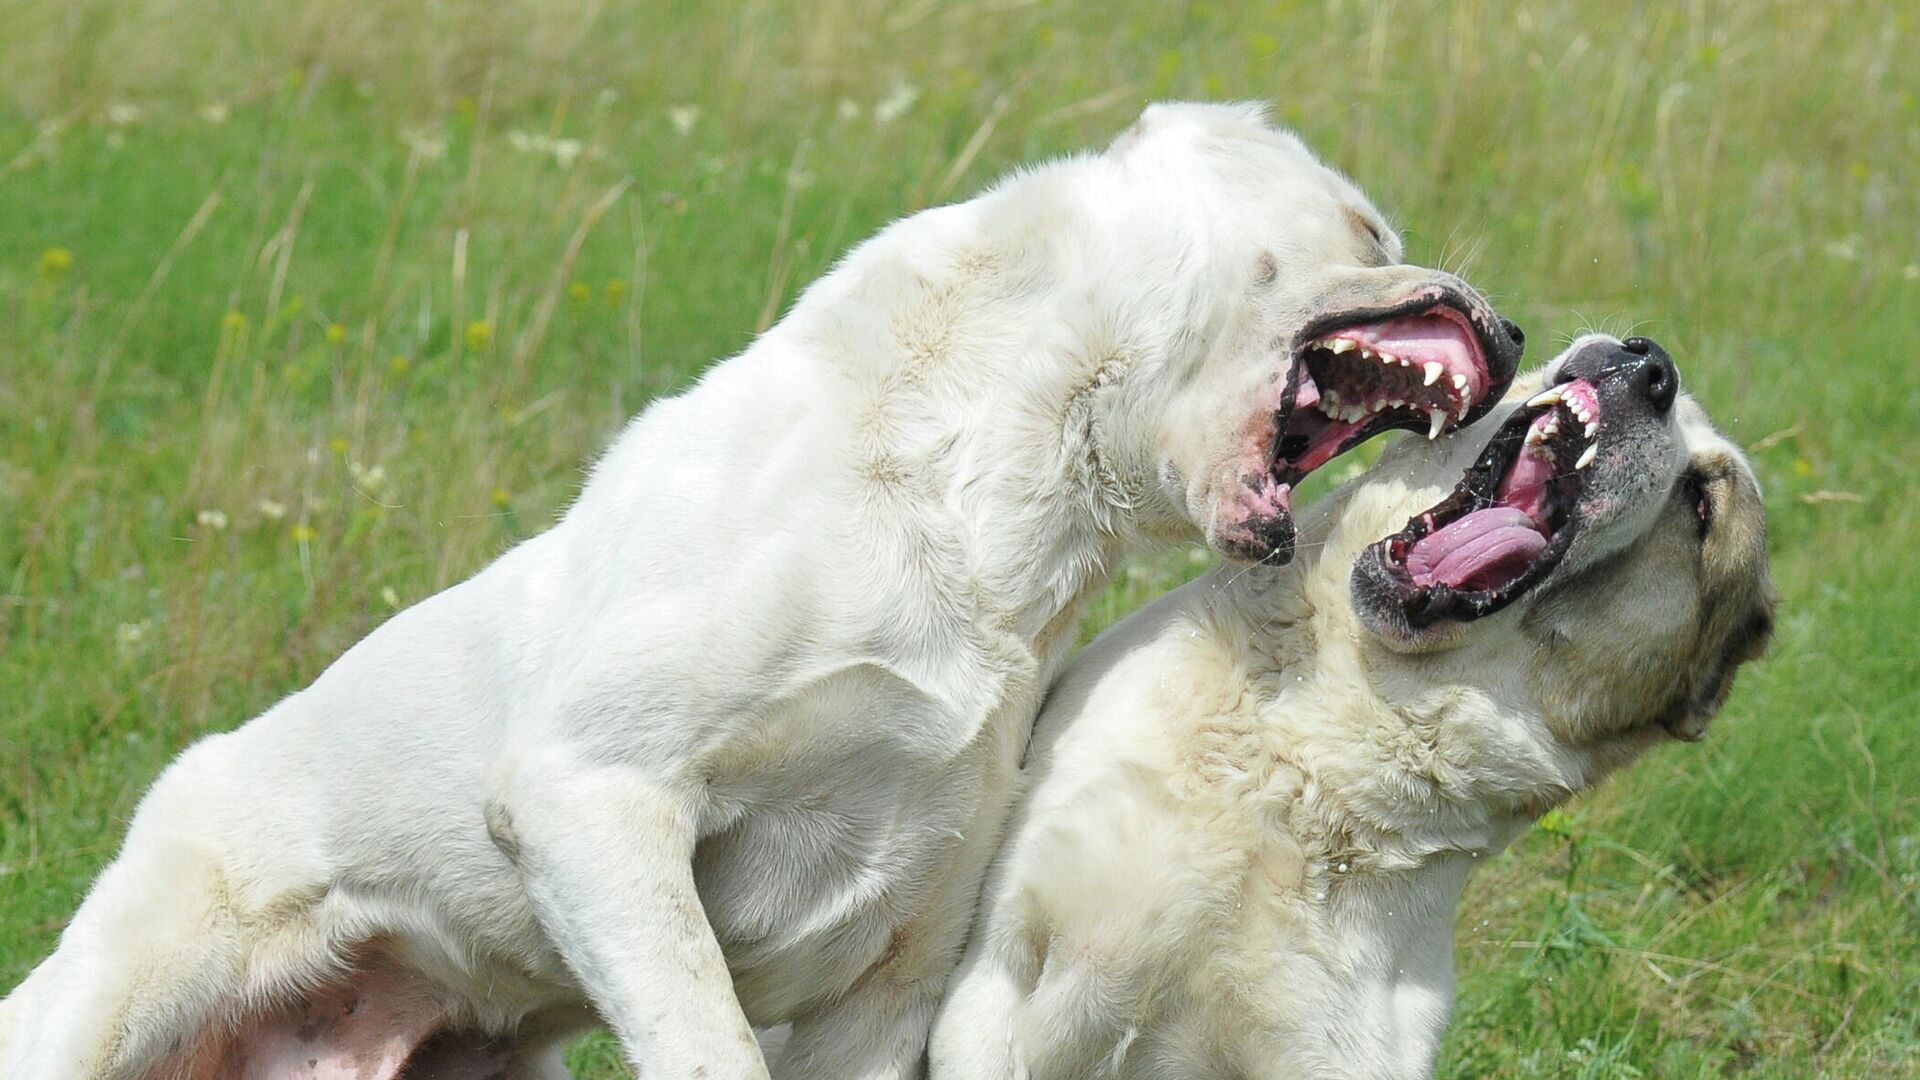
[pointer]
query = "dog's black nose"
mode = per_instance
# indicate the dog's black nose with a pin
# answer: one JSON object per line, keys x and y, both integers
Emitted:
{"x": 1652, "y": 371}
{"x": 1644, "y": 366}
{"x": 1514, "y": 333}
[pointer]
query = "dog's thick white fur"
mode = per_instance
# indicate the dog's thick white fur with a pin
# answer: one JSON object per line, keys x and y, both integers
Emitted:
{"x": 732, "y": 743}
{"x": 1254, "y": 803}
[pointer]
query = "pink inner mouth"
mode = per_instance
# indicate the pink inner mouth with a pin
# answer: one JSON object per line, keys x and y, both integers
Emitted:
{"x": 1489, "y": 548}
{"x": 1439, "y": 335}
{"x": 1423, "y": 371}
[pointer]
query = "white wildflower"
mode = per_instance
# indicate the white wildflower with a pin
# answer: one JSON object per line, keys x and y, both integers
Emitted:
{"x": 897, "y": 102}
{"x": 212, "y": 519}
{"x": 215, "y": 112}
{"x": 683, "y": 118}
{"x": 424, "y": 143}
{"x": 368, "y": 478}
{"x": 272, "y": 509}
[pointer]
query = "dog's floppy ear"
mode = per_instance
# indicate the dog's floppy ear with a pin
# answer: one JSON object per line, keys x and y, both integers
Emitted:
{"x": 1196, "y": 118}
{"x": 1687, "y": 718}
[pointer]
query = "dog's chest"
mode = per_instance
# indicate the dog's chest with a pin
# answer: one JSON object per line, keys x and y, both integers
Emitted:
{"x": 837, "y": 845}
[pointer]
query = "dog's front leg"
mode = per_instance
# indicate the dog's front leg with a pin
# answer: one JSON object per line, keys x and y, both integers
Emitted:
{"x": 606, "y": 856}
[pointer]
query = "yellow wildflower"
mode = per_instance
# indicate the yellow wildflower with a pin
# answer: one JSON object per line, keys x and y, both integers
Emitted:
{"x": 302, "y": 533}
{"x": 55, "y": 262}
{"x": 336, "y": 333}
{"x": 479, "y": 334}
{"x": 337, "y": 444}
{"x": 616, "y": 291}
{"x": 500, "y": 496}
{"x": 579, "y": 292}
{"x": 400, "y": 364}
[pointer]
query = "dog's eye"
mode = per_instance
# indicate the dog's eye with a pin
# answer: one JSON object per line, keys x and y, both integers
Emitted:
{"x": 1693, "y": 493}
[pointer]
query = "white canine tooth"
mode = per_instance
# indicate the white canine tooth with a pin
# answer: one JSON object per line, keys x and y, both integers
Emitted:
{"x": 1366, "y": 353}
{"x": 1436, "y": 419}
{"x": 1339, "y": 345}
{"x": 1587, "y": 455}
{"x": 1544, "y": 397}
{"x": 1593, "y": 428}
{"x": 1551, "y": 427}
{"x": 1434, "y": 371}
{"x": 1460, "y": 381}
{"x": 1465, "y": 406}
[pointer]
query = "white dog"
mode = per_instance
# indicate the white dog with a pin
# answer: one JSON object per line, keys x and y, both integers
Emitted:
{"x": 1254, "y": 803}
{"x": 732, "y": 743}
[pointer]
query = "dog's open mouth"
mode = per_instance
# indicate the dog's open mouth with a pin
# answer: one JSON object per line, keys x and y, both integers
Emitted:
{"x": 1422, "y": 369}
{"x": 1509, "y": 520}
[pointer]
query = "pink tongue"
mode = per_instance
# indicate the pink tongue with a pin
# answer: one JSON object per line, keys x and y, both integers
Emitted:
{"x": 1487, "y": 548}
{"x": 1420, "y": 338}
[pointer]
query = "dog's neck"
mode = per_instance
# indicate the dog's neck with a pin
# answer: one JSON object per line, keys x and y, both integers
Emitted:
{"x": 1003, "y": 391}
{"x": 1387, "y": 828}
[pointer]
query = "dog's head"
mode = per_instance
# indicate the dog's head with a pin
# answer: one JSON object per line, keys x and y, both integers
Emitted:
{"x": 1302, "y": 333}
{"x": 1593, "y": 554}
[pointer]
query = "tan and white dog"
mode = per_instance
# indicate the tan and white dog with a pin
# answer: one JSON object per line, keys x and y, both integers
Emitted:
{"x": 733, "y": 742}
{"x": 1254, "y": 803}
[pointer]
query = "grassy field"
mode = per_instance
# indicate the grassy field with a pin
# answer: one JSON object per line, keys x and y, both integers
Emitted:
{"x": 309, "y": 309}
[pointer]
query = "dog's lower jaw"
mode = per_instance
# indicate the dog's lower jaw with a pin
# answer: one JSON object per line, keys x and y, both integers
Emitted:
{"x": 1254, "y": 523}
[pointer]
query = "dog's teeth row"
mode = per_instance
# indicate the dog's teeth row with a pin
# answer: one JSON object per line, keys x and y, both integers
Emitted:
{"x": 1574, "y": 406}
{"x": 1536, "y": 442}
{"x": 1436, "y": 417}
{"x": 1431, "y": 370}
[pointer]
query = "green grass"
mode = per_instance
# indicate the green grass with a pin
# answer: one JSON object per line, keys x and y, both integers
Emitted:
{"x": 251, "y": 253}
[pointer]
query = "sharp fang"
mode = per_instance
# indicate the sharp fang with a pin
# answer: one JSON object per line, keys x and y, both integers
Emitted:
{"x": 1460, "y": 381}
{"x": 1593, "y": 428}
{"x": 1436, "y": 419}
{"x": 1434, "y": 371}
{"x": 1587, "y": 456}
{"x": 1544, "y": 397}
{"x": 1338, "y": 345}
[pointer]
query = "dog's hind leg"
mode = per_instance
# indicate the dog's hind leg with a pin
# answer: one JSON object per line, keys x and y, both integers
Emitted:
{"x": 160, "y": 947}
{"x": 145, "y": 963}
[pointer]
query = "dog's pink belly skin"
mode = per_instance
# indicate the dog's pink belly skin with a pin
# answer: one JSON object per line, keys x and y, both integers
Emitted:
{"x": 362, "y": 1029}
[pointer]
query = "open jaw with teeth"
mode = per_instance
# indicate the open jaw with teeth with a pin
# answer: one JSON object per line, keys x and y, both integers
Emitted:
{"x": 1509, "y": 520}
{"x": 1422, "y": 371}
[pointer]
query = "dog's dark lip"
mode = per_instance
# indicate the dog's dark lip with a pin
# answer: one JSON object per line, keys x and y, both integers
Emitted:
{"x": 1424, "y": 605}
{"x": 1500, "y": 360}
